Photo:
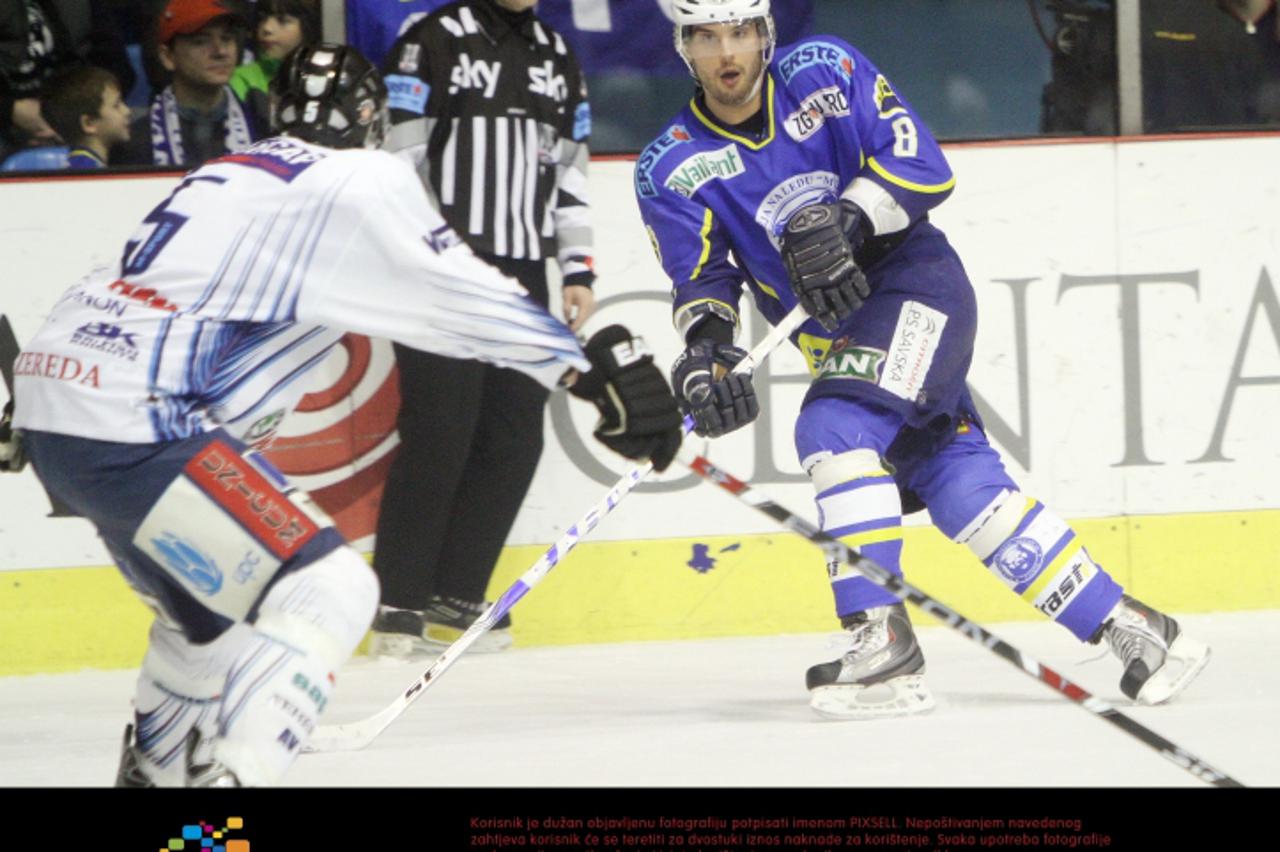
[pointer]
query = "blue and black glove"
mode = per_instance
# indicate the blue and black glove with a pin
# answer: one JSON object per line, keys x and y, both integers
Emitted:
{"x": 818, "y": 246}
{"x": 718, "y": 406}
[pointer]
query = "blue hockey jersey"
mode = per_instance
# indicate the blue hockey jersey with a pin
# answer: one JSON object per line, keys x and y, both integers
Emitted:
{"x": 715, "y": 201}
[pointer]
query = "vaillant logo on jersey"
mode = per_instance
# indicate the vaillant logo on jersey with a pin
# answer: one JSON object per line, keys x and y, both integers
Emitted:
{"x": 474, "y": 75}
{"x": 794, "y": 193}
{"x": 108, "y": 339}
{"x": 690, "y": 175}
{"x": 815, "y": 54}
{"x": 407, "y": 93}
{"x": 545, "y": 81}
{"x": 814, "y": 111}
{"x": 184, "y": 558}
{"x": 652, "y": 154}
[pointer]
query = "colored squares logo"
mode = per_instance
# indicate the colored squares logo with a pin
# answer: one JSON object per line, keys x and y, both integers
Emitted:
{"x": 203, "y": 837}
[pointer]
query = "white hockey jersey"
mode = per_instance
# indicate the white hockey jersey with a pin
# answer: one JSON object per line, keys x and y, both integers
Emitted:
{"x": 240, "y": 282}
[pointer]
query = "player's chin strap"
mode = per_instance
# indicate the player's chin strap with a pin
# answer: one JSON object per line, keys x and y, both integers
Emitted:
{"x": 837, "y": 550}
{"x": 358, "y": 734}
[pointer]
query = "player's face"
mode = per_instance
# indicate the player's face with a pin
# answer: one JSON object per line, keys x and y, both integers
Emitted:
{"x": 728, "y": 59}
{"x": 113, "y": 117}
{"x": 204, "y": 58}
{"x": 279, "y": 34}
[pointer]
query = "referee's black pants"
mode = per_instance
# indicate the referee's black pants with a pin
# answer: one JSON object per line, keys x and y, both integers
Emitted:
{"x": 470, "y": 439}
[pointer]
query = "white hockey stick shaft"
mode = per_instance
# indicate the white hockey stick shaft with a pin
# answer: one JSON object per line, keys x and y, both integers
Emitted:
{"x": 358, "y": 734}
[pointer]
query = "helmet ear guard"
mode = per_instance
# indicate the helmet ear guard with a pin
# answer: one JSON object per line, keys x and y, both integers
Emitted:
{"x": 330, "y": 95}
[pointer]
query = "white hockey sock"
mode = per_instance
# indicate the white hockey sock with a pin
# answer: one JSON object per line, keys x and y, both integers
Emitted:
{"x": 179, "y": 688}
{"x": 308, "y": 625}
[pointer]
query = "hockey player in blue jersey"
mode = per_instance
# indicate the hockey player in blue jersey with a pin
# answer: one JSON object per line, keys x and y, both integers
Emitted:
{"x": 801, "y": 174}
{"x": 137, "y": 398}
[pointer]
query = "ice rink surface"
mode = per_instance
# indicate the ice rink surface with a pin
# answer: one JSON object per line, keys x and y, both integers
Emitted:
{"x": 723, "y": 713}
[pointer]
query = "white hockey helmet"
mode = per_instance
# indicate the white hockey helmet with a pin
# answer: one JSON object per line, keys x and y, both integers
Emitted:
{"x": 690, "y": 13}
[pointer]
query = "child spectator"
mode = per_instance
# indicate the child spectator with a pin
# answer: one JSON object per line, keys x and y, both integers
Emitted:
{"x": 84, "y": 105}
{"x": 279, "y": 27}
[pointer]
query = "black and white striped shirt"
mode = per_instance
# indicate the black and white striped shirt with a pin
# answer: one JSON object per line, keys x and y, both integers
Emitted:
{"x": 491, "y": 108}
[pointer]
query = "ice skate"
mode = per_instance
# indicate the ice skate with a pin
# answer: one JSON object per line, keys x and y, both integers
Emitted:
{"x": 131, "y": 773}
{"x": 1159, "y": 660}
{"x": 203, "y": 769}
{"x": 880, "y": 676}
{"x": 448, "y": 618}
{"x": 397, "y": 634}
{"x": 403, "y": 634}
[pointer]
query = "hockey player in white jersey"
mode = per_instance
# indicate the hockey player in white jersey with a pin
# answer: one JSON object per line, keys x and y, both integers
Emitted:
{"x": 134, "y": 399}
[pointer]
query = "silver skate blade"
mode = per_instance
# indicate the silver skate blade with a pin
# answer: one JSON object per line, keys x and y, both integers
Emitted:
{"x": 1186, "y": 659}
{"x": 906, "y": 695}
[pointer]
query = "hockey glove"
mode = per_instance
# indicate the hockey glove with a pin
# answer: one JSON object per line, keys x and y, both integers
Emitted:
{"x": 12, "y": 458}
{"x": 717, "y": 407}
{"x": 638, "y": 414}
{"x": 819, "y": 258}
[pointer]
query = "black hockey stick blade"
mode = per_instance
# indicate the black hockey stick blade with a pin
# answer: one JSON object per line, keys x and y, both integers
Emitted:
{"x": 839, "y": 551}
{"x": 9, "y": 350}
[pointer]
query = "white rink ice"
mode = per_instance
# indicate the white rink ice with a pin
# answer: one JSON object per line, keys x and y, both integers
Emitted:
{"x": 722, "y": 713}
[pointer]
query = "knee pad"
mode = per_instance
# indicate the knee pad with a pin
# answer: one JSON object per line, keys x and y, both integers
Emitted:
{"x": 858, "y": 503}
{"x": 324, "y": 607}
{"x": 1037, "y": 555}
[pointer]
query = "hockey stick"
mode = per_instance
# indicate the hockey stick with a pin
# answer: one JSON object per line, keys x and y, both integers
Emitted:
{"x": 839, "y": 551}
{"x": 356, "y": 735}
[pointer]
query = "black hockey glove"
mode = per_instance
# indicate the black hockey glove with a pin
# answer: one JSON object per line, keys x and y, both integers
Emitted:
{"x": 717, "y": 407}
{"x": 817, "y": 252}
{"x": 12, "y": 458}
{"x": 638, "y": 414}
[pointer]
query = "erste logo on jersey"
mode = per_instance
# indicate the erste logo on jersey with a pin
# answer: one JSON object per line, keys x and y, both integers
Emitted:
{"x": 407, "y": 93}
{"x": 810, "y": 55}
{"x": 479, "y": 74}
{"x": 781, "y": 202}
{"x": 689, "y": 176}
{"x": 653, "y": 153}
{"x": 814, "y": 111}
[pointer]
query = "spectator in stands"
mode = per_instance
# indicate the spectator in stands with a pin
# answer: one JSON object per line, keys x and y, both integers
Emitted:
{"x": 85, "y": 107}
{"x": 38, "y": 37}
{"x": 197, "y": 117}
{"x": 279, "y": 27}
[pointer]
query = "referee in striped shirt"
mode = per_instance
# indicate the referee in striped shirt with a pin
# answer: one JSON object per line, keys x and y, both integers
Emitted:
{"x": 490, "y": 106}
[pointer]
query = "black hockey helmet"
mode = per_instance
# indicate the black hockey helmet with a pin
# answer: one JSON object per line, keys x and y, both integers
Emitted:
{"x": 330, "y": 95}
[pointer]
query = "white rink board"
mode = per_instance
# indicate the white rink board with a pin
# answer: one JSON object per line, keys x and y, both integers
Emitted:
{"x": 1125, "y": 407}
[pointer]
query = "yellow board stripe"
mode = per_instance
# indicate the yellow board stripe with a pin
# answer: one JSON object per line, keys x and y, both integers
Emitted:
{"x": 906, "y": 184}
{"x": 742, "y": 140}
{"x": 707, "y": 220}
